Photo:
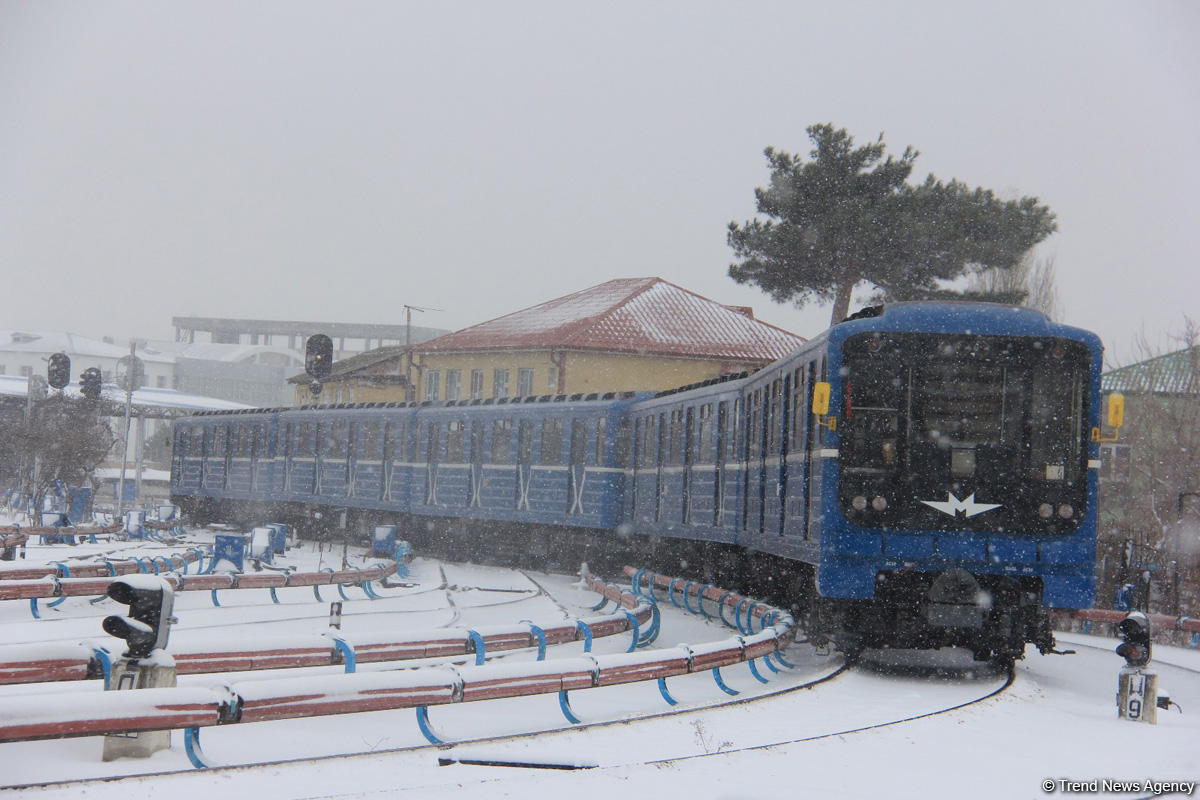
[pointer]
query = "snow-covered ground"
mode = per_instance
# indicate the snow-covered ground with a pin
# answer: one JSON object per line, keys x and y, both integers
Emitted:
{"x": 1056, "y": 723}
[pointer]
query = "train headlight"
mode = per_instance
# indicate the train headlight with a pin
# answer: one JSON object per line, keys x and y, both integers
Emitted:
{"x": 1045, "y": 511}
{"x": 1066, "y": 511}
{"x": 859, "y": 502}
{"x": 879, "y": 503}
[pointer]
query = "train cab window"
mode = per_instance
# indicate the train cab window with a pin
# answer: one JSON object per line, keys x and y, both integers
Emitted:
{"x": 552, "y": 440}
{"x": 198, "y": 442}
{"x": 501, "y": 441}
{"x": 181, "y": 442}
{"x": 525, "y": 442}
{"x": 624, "y": 435}
{"x": 454, "y": 441}
{"x": 370, "y": 441}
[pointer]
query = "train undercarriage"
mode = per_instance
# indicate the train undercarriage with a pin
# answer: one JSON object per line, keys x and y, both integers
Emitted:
{"x": 993, "y": 616}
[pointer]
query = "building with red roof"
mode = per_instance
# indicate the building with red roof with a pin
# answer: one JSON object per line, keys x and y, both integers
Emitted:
{"x": 626, "y": 334}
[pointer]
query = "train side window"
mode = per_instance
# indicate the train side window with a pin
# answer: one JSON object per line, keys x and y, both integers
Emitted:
{"x": 478, "y": 428}
{"x": 552, "y": 440}
{"x": 501, "y": 441}
{"x": 352, "y": 440}
{"x": 601, "y": 433}
{"x": 624, "y": 435}
{"x": 197, "y": 448}
{"x": 704, "y": 437}
{"x": 648, "y": 445}
{"x": 221, "y": 441}
{"x": 370, "y": 441}
{"x": 754, "y": 424}
{"x": 799, "y": 408}
{"x": 579, "y": 441}
{"x": 304, "y": 440}
{"x": 675, "y": 451}
{"x": 410, "y": 441}
{"x": 664, "y": 444}
{"x": 182, "y": 440}
{"x": 454, "y": 441}
{"x": 335, "y": 440}
{"x": 433, "y": 435}
{"x": 775, "y": 429}
{"x": 525, "y": 442}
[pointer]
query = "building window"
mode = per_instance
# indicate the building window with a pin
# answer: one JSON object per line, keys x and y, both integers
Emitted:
{"x": 552, "y": 380}
{"x": 476, "y": 384}
{"x": 26, "y": 372}
{"x": 524, "y": 382}
{"x": 3, "y": 369}
{"x": 500, "y": 383}
{"x": 433, "y": 384}
{"x": 453, "y": 383}
{"x": 161, "y": 381}
{"x": 1115, "y": 463}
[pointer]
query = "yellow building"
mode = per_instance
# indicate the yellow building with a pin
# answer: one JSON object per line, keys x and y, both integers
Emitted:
{"x": 627, "y": 334}
{"x": 376, "y": 376}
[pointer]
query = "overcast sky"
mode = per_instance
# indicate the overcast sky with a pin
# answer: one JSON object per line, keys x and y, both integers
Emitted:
{"x": 334, "y": 161}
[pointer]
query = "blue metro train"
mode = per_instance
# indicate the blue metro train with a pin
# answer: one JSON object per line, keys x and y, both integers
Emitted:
{"x": 920, "y": 475}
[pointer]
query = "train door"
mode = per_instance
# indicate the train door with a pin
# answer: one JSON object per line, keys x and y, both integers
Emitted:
{"x": 387, "y": 469}
{"x": 815, "y": 462}
{"x": 577, "y": 466}
{"x": 689, "y": 457}
{"x": 752, "y": 514}
{"x": 796, "y": 490}
{"x": 661, "y": 482}
{"x": 476, "y": 459}
{"x": 433, "y": 436}
{"x": 524, "y": 463}
{"x": 773, "y": 465}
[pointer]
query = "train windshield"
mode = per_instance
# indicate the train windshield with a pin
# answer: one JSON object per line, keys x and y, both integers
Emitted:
{"x": 964, "y": 432}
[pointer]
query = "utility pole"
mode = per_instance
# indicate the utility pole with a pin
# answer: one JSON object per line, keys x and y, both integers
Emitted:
{"x": 409, "y": 393}
{"x": 130, "y": 378}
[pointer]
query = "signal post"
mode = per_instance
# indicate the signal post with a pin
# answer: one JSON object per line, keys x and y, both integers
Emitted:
{"x": 145, "y": 664}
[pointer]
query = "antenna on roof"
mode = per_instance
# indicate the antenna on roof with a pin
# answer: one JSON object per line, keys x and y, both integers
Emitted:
{"x": 408, "y": 359}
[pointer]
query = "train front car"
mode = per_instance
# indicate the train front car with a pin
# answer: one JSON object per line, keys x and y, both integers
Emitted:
{"x": 959, "y": 500}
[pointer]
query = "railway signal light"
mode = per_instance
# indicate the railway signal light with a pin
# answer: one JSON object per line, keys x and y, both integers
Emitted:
{"x": 318, "y": 356}
{"x": 1135, "y": 630}
{"x": 89, "y": 383}
{"x": 150, "y": 600}
{"x": 58, "y": 371}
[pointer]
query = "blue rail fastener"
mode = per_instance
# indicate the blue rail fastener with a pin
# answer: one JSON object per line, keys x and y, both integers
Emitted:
{"x": 754, "y": 671}
{"x": 105, "y": 659}
{"x": 191, "y": 745}
{"x": 662, "y": 689}
{"x": 700, "y": 600}
{"x": 721, "y": 609}
{"x": 652, "y": 632}
{"x": 480, "y": 646}
{"x": 541, "y": 639}
{"x": 635, "y": 628}
{"x": 564, "y": 704}
{"x": 721, "y": 682}
{"x": 687, "y": 587}
{"x": 426, "y": 728}
{"x": 347, "y": 651}
{"x": 587, "y": 634}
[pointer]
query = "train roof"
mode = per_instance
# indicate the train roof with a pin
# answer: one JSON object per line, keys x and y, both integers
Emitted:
{"x": 957, "y": 317}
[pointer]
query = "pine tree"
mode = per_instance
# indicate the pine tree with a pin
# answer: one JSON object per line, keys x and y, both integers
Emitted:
{"x": 849, "y": 216}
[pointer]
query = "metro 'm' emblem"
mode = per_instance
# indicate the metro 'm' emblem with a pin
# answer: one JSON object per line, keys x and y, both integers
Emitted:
{"x": 953, "y": 505}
